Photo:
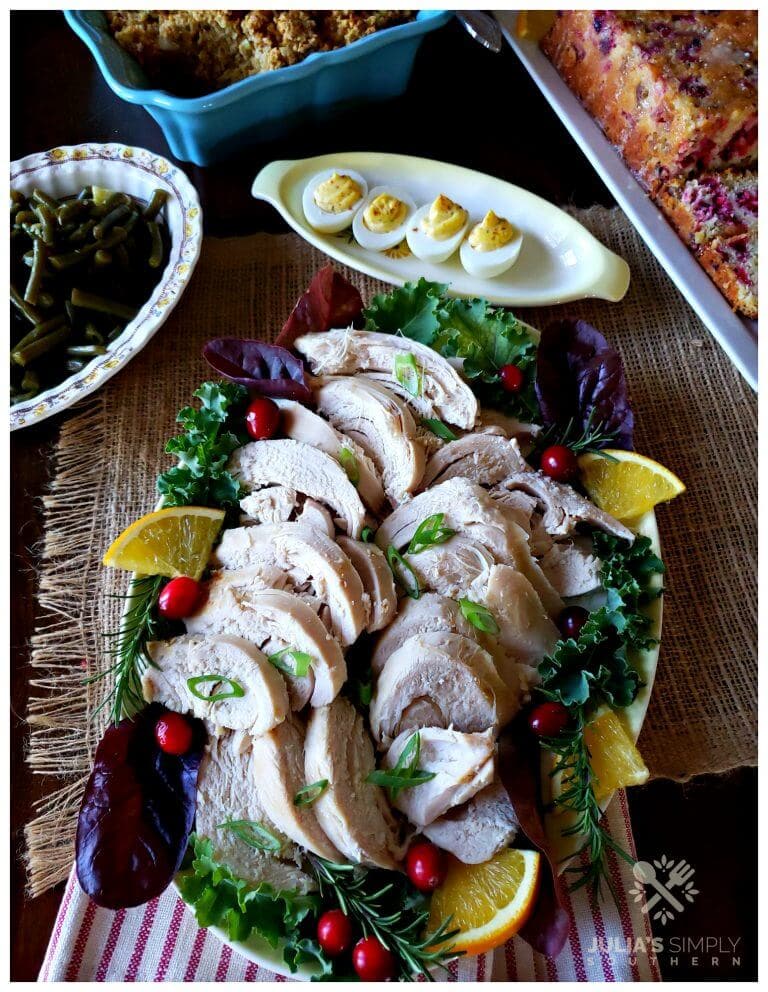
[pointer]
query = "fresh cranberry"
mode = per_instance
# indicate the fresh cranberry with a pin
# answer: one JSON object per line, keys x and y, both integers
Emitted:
{"x": 571, "y": 620}
{"x": 180, "y": 598}
{"x": 512, "y": 378}
{"x": 372, "y": 961}
{"x": 425, "y": 865}
{"x": 559, "y": 463}
{"x": 262, "y": 418}
{"x": 173, "y": 734}
{"x": 548, "y": 719}
{"x": 334, "y": 933}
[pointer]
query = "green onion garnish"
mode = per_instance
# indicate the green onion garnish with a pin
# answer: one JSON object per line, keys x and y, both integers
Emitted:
{"x": 348, "y": 462}
{"x": 301, "y": 662}
{"x": 366, "y": 535}
{"x": 439, "y": 428}
{"x": 235, "y": 689}
{"x": 479, "y": 616}
{"x": 406, "y": 773}
{"x": 253, "y": 834}
{"x": 408, "y": 374}
{"x": 396, "y": 563}
{"x": 428, "y": 533}
{"x": 307, "y": 794}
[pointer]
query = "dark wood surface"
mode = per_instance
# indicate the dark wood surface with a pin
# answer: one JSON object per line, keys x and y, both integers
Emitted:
{"x": 463, "y": 105}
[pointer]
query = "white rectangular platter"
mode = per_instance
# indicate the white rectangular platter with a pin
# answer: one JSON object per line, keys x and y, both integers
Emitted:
{"x": 736, "y": 335}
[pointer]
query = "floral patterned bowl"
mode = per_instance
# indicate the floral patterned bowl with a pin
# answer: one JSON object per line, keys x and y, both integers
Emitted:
{"x": 138, "y": 172}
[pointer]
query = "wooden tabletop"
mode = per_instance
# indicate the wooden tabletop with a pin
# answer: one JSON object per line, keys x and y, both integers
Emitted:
{"x": 463, "y": 105}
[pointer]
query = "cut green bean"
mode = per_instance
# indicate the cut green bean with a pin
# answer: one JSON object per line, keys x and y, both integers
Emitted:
{"x": 35, "y": 273}
{"x": 69, "y": 211}
{"x": 31, "y": 352}
{"x": 120, "y": 211}
{"x": 156, "y": 252}
{"x": 102, "y": 259}
{"x": 47, "y": 222}
{"x": 40, "y": 331}
{"x": 156, "y": 203}
{"x": 39, "y": 196}
{"x": 32, "y": 315}
{"x": 81, "y": 233}
{"x": 102, "y": 304}
{"x": 25, "y": 217}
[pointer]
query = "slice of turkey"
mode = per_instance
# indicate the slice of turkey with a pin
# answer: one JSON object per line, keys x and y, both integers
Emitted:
{"x": 376, "y": 575}
{"x": 274, "y": 620}
{"x": 462, "y": 765}
{"x": 457, "y": 568}
{"x": 442, "y": 392}
{"x": 381, "y": 424}
{"x": 430, "y": 612}
{"x": 437, "y": 679}
{"x": 226, "y": 792}
{"x": 279, "y": 505}
{"x": 263, "y": 704}
{"x": 478, "y": 829}
{"x": 302, "y": 424}
{"x": 483, "y": 458}
{"x": 304, "y": 469}
{"x": 352, "y": 811}
{"x": 311, "y": 562}
{"x": 495, "y": 422}
{"x": 571, "y": 567}
{"x": 278, "y": 759}
{"x": 563, "y": 508}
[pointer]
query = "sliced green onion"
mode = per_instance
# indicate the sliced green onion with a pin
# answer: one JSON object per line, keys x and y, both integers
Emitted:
{"x": 479, "y": 616}
{"x": 301, "y": 662}
{"x": 253, "y": 834}
{"x": 396, "y": 562}
{"x": 348, "y": 462}
{"x": 235, "y": 689}
{"x": 406, "y": 773}
{"x": 366, "y": 535}
{"x": 307, "y": 794}
{"x": 429, "y": 533}
{"x": 408, "y": 373}
{"x": 438, "y": 428}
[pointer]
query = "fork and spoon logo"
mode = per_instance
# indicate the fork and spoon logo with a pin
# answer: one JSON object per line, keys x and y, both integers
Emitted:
{"x": 665, "y": 877}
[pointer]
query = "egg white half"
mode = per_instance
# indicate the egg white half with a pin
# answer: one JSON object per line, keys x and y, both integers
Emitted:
{"x": 381, "y": 240}
{"x": 321, "y": 220}
{"x": 488, "y": 264}
{"x": 430, "y": 249}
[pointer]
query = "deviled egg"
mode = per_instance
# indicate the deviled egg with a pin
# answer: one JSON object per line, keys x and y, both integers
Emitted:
{"x": 382, "y": 219}
{"x": 436, "y": 229}
{"x": 332, "y": 198}
{"x": 491, "y": 248}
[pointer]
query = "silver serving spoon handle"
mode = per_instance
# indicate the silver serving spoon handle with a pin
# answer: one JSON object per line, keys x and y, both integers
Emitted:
{"x": 483, "y": 28}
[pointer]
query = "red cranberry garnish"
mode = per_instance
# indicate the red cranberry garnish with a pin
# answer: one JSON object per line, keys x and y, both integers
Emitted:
{"x": 559, "y": 463}
{"x": 262, "y": 418}
{"x": 372, "y": 961}
{"x": 425, "y": 864}
{"x": 548, "y": 719}
{"x": 571, "y": 620}
{"x": 512, "y": 378}
{"x": 173, "y": 734}
{"x": 334, "y": 933}
{"x": 179, "y": 598}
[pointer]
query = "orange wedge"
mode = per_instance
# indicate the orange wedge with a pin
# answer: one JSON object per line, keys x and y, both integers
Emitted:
{"x": 171, "y": 542}
{"x": 489, "y": 903}
{"x": 626, "y": 484}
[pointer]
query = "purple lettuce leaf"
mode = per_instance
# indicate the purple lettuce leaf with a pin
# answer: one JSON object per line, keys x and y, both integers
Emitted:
{"x": 137, "y": 812}
{"x": 580, "y": 379}
{"x": 265, "y": 368}
{"x": 329, "y": 301}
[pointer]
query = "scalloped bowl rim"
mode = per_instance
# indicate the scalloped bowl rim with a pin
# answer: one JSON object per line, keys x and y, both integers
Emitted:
{"x": 183, "y": 256}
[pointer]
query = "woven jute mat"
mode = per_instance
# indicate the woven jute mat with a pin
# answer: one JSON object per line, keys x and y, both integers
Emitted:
{"x": 694, "y": 413}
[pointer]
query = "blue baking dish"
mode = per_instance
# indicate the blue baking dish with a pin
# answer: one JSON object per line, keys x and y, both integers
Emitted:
{"x": 270, "y": 105}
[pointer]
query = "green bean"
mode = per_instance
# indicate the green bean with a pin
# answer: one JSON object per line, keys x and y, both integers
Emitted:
{"x": 31, "y": 352}
{"x": 35, "y": 273}
{"x": 30, "y": 385}
{"x": 40, "y": 197}
{"x": 45, "y": 300}
{"x": 70, "y": 258}
{"x": 93, "y": 334}
{"x": 156, "y": 204}
{"x": 40, "y": 331}
{"x": 156, "y": 253}
{"x": 82, "y": 232}
{"x": 47, "y": 221}
{"x": 120, "y": 211}
{"x": 86, "y": 349}
{"x": 25, "y": 217}
{"x": 32, "y": 315}
{"x": 33, "y": 230}
{"x": 102, "y": 259}
{"x": 69, "y": 210}
{"x": 115, "y": 237}
{"x": 90, "y": 301}
{"x": 130, "y": 222}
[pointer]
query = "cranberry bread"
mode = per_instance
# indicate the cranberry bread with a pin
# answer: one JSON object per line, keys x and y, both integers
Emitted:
{"x": 676, "y": 92}
{"x": 716, "y": 215}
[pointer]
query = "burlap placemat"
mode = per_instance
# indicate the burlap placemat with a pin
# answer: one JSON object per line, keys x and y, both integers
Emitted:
{"x": 694, "y": 414}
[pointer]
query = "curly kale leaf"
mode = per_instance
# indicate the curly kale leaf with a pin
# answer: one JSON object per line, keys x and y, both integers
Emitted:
{"x": 412, "y": 311}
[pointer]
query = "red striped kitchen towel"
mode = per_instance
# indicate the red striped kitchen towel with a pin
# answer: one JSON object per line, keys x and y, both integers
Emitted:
{"x": 161, "y": 941}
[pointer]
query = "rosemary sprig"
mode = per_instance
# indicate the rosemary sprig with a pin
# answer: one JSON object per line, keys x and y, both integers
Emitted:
{"x": 592, "y": 438}
{"x": 394, "y": 915}
{"x": 573, "y": 764}
{"x": 128, "y": 649}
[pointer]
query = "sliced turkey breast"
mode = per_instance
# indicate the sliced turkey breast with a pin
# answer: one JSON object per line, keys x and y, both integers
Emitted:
{"x": 226, "y": 793}
{"x": 483, "y": 458}
{"x": 442, "y": 393}
{"x": 376, "y": 575}
{"x": 383, "y": 427}
{"x": 429, "y": 612}
{"x": 352, "y": 811}
{"x": 302, "y": 424}
{"x": 456, "y": 568}
{"x": 274, "y": 620}
{"x": 563, "y": 508}
{"x": 495, "y": 422}
{"x": 526, "y": 632}
{"x": 278, "y": 505}
{"x": 311, "y": 560}
{"x": 305, "y": 469}
{"x": 225, "y": 662}
{"x": 476, "y": 831}
{"x": 466, "y": 507}
{"x": 462, "y": 765}
{"x": 437, "y": 679}
{"x": 278, "y": 760}
{"x": 519, "y": 555}
{"x": 571, "y": 567}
